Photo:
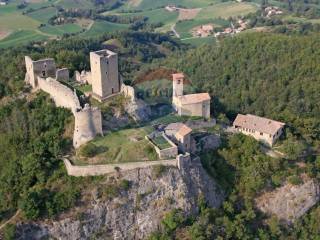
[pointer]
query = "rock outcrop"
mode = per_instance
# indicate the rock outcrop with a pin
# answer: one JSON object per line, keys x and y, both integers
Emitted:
{"x": 290, "y": 202}
{"x": 136, "y": 212}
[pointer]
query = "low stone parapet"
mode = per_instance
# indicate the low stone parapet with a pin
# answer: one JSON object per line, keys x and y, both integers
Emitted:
{"x": 96, "y": 170}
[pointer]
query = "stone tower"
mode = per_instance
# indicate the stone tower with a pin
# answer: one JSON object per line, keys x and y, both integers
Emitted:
{"x": 104, "y": 74}
{"x": 177, "y": 88}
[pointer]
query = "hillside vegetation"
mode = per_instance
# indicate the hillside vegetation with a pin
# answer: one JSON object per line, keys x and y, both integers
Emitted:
{"x": 269, "y": 75}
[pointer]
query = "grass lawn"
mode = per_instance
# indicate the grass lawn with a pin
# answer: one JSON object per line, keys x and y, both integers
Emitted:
{"x": 148, "y": 4}
{"x": 61, "y": 29}
{"x": 127, "y": 145}
{"x": 184, "y": 27}
{"x": 100, "y": 27}
{"x": 43, "y": 15}
{"x": 20, "y": 38}
{"x": 200, "y": 41}
{"x": 84, "y": 4}
{"x": 84, "y": 88}
{"x": 161, "y": 142}
{"x": 227, "y": 9}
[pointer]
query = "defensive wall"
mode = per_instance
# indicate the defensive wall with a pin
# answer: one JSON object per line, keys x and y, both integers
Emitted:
{"x": 88, "y": 120}
{"x": 96, "y": 170}
{"x": 41, "y": 68}
{"x": 166, "y": 152}
{"x": 88, "y": 124}
{"x": 62, "y": 95}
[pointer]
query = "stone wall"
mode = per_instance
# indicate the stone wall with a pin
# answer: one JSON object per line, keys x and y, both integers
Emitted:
{"x": 170, "y": 152}
{"x": 96, "y": 170}
{"x": 84, "y": 77}
{"x": 88, "y": 120}
{"x": 62, "y": 95}
{"x": 41, "y": 68}
{"x": 62, "y": 74}
{"x": 88, "y": 124}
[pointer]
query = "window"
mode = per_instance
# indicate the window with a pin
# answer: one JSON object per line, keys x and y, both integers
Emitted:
{"x": 261, "y": 133}
{"x": 43, "y": 73}
{"x": 179, "y": 81}
{"x": 112, "y": 90}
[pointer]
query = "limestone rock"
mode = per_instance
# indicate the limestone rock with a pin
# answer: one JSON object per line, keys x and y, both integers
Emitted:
{"x": 290, "y": 202}
{"x": 139, "y": 110}
{"x": 135, "y": 213}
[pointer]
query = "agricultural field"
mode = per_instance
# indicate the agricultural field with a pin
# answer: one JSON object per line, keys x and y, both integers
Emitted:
{"x": 18, "y": 26}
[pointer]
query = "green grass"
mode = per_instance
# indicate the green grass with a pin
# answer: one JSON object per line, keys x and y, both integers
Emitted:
{"x": 184, "y": 27}
{"x": 16, "y": 21}
{"x": 226, "y": 10}
{"x": 161, "y": 142}
{"x": 21, "y": 37}
{"x": 148, "y": 4}
{"x": 200, "y": 41}
{"x": 43, "y": 15}
{"x": 119, "y": 146}
{"x": 84, "y": 88}
{"x": 84, "y": 4}
{"x": 59, "y": 30}
{"x": 100, "y": 27}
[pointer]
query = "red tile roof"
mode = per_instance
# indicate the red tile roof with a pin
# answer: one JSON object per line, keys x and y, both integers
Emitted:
{"x": 194, "y": 98}
{"x": 259, "y": 124}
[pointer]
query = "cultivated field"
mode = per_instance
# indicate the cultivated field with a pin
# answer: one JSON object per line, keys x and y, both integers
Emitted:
{"x": 18, "y": 28}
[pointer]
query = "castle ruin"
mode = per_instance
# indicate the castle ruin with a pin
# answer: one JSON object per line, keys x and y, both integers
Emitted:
{"x": 43, "y": 75}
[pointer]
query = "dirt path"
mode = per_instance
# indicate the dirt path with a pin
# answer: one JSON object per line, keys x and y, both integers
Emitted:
{"x": 173, "y": 29}
{"x": 10, "y": 220}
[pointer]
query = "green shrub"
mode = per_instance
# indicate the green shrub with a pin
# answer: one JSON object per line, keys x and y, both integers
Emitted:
{"x": 157, "y": 171}
{"x": 89, "y": 150}
{"x": 294, "y": 180}
{"x": 124, "y": 184}
{"x": 9, "y": 232}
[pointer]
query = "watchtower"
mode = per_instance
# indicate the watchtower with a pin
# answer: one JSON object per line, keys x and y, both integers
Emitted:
{"x": 177, "y": 88}
{"x": 104, "y": 74}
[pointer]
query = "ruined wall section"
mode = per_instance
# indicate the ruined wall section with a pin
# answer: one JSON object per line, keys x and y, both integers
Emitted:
{"x": 84, "y": 77}
{"x": 61, "y": 94}
{"x": 41, "y": 68}
{"x": 88, "y": 124}
{"x": 62, "y": 74}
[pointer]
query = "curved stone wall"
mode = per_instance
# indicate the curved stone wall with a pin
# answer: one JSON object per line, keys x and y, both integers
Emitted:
{"x": 61, "y": 94}
{"x": 88, "y": 124}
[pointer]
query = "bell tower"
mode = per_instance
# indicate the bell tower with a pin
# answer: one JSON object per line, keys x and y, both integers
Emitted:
{"x": 177, "y": 87}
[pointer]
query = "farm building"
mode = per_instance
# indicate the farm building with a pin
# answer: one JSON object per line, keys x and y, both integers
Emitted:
{"x": 262, "y": 129}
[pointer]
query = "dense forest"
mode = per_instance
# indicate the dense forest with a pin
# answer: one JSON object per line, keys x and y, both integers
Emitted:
{"x": 269, "y": 75}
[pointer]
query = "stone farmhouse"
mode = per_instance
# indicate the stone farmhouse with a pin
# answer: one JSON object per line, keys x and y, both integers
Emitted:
{"x": 262, "y": 129}
{"x": 180, "y": 134}
{"x": 197, "y": 104}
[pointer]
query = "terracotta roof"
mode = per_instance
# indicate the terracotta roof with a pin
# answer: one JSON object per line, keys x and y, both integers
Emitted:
{"x": 174, "y": 126}
{"x": 184, "y": 130}
{"x": 177, "y": 76}
{"x": 194, "y": 98}
{"x": 259, "y": 124}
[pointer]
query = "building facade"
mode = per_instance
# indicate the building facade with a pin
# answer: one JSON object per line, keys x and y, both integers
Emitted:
{"x": 262, "y": 129}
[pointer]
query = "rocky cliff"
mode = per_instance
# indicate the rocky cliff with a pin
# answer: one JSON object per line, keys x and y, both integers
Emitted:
{"x": 290, "y": 202}
{"x": 136, "y": 212}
